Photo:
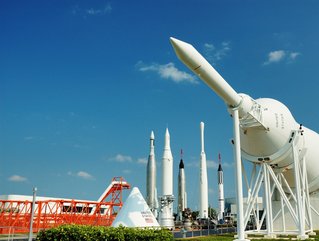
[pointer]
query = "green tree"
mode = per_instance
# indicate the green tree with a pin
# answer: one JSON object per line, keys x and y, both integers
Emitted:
{"x": 195, "y": 214}
{"x": 212, "y": 213}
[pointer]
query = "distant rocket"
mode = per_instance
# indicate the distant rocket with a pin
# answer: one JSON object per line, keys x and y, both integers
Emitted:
{"x": 167, "y": 161}
{"x": 182, "y": 198}
{"x": 203, "y": 186}
{"x": 221, "y": 201}
{"x": 151, "y": 193}
{"x": 166, "y": 215}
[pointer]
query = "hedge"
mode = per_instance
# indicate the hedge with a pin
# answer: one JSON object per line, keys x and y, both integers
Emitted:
{"x": 95, "y": 233}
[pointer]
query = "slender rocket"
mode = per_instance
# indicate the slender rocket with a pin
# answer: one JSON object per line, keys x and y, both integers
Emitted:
{"x": 182, "y": 202}
{"x": 166, "y": 215}
{"x": 151, "y": 193}
{"x": 203, "y": 187}
{"x": 221, "y": 201}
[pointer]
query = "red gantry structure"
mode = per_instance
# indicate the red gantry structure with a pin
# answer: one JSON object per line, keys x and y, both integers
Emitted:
{"x": 15, "y": 215}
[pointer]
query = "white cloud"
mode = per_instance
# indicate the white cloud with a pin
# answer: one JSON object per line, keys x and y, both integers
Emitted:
{"x": 81, "y": 174}
{"x": 168, "y": 71}
{"x": 281, "y": 56}
{"x": 142, "y": 161}
{"x": 293, "y": 55}
{"x": 122, "y": 158}
{"x": 77, "y": 10}
{"x": 212, "y": 164}
{"x": 211, "y": 191}
{"x": 214, "y": 54}
{"x": 17, "y": 178}
{"x": 84, "y": 175}
{"x": 276, "y": 56}
{"x": 101, "y": 11}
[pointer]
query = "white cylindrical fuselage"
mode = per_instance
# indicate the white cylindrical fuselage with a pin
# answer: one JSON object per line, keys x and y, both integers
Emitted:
{"x": 269, "y": 142}
{"x": 203, "y": 186}
{"x": 221, "y": 200}
{"x": 167, "y": 163}
{"x": 181, "y": 188}
{"x": 151, "y": 177}
{"x": 166, "y": 215}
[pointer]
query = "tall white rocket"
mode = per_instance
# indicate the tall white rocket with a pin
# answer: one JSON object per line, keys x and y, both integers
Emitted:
{"x": 203, "y": 186}
{"x": 151, "y": 192}
{"x": 221, "y": 200}
{"x": 166, "y": 215}
{"x": 182, "y": 198}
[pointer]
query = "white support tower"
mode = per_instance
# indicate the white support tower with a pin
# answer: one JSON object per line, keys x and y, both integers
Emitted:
{"x": 273, "y": 184}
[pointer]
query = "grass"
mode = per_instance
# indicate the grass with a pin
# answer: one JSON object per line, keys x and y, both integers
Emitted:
{"x": 230, "y": 237}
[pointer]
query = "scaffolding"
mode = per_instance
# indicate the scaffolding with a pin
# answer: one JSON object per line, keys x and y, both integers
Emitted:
{"x": 15, "y": 215}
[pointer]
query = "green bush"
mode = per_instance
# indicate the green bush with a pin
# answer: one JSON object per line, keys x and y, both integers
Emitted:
{"x": 94, "y": 233}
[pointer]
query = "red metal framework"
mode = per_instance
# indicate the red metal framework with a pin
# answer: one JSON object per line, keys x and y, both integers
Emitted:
{"x": 15, "y": 215}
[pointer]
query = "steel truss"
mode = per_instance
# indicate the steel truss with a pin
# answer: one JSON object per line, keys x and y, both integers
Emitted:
{"x": 269, "y": 181}
{"x": 15, "y": 215}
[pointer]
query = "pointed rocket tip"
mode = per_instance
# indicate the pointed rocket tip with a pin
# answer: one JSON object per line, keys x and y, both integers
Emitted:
{"x": 152, "y": 135}
{"x": 181, "y": 164}
{"x": 167, "y": 132}
{"x": 178, "y": 45}
{"x": 220, "y": 169}
{"x": 172, "y": 40}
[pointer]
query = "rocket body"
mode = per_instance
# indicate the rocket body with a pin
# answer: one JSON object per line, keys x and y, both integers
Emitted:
{"x": 167, "y": 162}
{"x": 166, "y": 215}
{"x": 266, "y": 125}
{"x": 151, "y": 194}
{"x": 221, "y": 199}
{"x": 203, "y": 186}
{"x": 181, "y": 190}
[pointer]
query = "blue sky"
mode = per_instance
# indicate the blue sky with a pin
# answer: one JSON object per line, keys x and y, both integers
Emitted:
{"x": 83, "y": 84}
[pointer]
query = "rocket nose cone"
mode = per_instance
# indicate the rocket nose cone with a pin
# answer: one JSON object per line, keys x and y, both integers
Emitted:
{"x": 174, "y": 41}
{"x": 167, "y": 132}
{"x": 181, "y": 164}
{"x": 187, "y": 53}
{"x": 178, "y": 45}
{"x": 152, "y": 135}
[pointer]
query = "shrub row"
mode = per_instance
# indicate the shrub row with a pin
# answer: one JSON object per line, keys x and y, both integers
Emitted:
{"x": 94, "y": 233}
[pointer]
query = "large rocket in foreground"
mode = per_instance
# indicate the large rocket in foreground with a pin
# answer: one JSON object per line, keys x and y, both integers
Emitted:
{"x": 203, "y": 186}
{"x": 166, "y": 215}
{"x": 266, "y": 125}
{"x": 151, "y": 192}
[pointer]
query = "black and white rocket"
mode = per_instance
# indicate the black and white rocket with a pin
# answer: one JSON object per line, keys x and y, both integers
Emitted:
{"x": 221, "y": 200}
{"x": 203, "y": 186}
{"x": 166, "y": 214}
{"x": 151, "y": 191}
{"x": 182, "y": 196}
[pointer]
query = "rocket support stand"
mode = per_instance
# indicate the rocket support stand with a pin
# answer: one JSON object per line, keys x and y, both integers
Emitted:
{"x": 239, "y": 187}
{"x": 296, "y": 201}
